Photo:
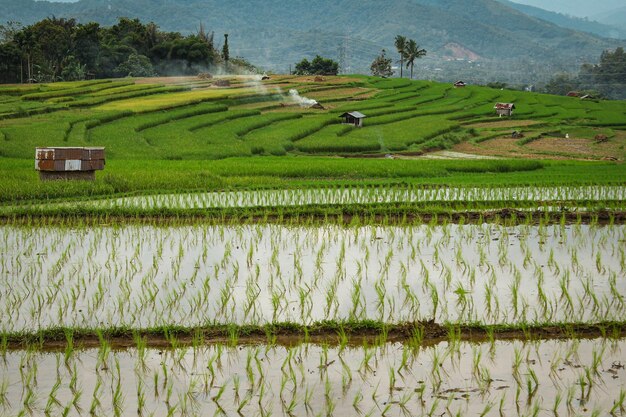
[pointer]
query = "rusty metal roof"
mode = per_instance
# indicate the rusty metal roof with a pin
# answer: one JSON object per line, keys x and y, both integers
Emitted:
{"x": 355, "y": 114}
{"x": 66, "y": 159}
{"x": 504, "y": 106}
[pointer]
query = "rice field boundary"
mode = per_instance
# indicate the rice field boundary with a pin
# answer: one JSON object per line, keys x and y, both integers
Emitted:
{"x": 328, "y": 332}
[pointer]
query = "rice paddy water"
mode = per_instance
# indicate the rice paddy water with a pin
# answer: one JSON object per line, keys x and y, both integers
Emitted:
{"x": 542, "y": 378}
{"x": 144, "y": 276}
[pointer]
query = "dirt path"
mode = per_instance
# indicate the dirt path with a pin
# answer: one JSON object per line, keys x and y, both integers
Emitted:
{"x": 503, "y": 124}
{"x": 550, "y": 147}
{"x": 512, "y": 216}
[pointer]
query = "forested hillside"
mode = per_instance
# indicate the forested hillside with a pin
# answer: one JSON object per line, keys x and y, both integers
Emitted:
{"x": 508, "y": 44}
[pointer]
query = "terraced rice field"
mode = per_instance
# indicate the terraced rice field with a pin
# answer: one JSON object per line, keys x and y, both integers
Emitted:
{"x": 556, "y": 196}
{"x": 142, "y": 277}
{"x": 90, "y": 281}
{"x": 461, "y": 378}
{"x": 246, "y": 255}
{"x": 403, "y": 116}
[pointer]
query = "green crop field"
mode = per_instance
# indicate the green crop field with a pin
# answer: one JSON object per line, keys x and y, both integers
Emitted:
{"x": 187, "y": 136}
{"x": 246, "y": 253}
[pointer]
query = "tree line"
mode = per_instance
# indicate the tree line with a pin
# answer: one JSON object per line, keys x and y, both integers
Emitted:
{"x": 57, "y": 49}
{"x": 317, "y": 66}
{"x": 409, "y": 51}
{"x": 606, "y": 79}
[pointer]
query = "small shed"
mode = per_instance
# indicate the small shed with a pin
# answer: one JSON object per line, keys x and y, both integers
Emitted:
{"x": 459, "y": 84}
{"x": 69, "y": 163}
{"x": 504, "y": 109}
{"x": 353, "y": 118}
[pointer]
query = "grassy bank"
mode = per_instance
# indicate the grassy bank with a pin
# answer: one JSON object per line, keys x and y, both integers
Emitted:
{"x": 139, "y": 177}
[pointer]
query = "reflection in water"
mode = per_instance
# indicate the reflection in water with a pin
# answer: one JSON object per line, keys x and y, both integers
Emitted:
{"x": 573, "y": 377}
{"x": 143, "y": 276}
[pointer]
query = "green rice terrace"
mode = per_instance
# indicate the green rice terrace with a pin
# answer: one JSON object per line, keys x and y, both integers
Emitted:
{"x": 245, "y": 252}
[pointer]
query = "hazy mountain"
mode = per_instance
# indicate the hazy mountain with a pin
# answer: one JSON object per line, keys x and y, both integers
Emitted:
{"x": 571, "y": 22}
{"x": 580, "y": 8}
{"x": 616, "y": 17}
{"x": 274, "y": 34}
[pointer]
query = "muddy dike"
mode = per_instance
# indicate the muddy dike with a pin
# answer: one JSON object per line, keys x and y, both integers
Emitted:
{"x": 291, "y": 334}
{"x": 312, "y": 217}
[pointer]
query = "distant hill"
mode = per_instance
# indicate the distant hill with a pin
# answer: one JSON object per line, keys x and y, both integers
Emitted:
{"x": 579, "y": 8}
{"x": 499, "y": 40}
{"x": 616, "y": 17}
{"x": 571, "y": 22}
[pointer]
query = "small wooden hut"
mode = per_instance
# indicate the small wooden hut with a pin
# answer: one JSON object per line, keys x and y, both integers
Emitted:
{"x": 459, "y": 84}
{"x": 504, "y": 109}
{"x": 65, "y": 163}
{"x": 353, "y": 118}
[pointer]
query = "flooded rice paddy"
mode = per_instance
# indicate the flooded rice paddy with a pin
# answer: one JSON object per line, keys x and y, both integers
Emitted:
{"x": 345, "y": 196}
{"x": 143, "y": 276}
{"x": 502, "y": 378}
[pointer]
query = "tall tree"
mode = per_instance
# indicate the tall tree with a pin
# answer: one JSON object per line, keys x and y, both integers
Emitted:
{"x": 206, "y": 37}
{"x": 225, "y": 50}
{"x": 412, "y": 53}
{"x": 8, "y": 31}
{"x": 303, "y": 67}
{"x": 561, "y": 84}
{"x": 59, "y": 49}
{"x": 318, "y": 66}
{"x": 87, "y": 45}
{"x": 136, "y": 66}
{"x": 26, "y": 43}
{"x": 401, "y": 44}
{"x": 10, "y": 63}
{"x": 53, "y": 41}
{"x": 381, "y": 66}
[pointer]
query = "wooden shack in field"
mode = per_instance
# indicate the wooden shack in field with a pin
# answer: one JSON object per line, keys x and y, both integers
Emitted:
{"x": 459, "y": 84}
{"x": 69, "y": 163}
{"x": 504, "y": 109}
{"x": 353, "y": 118}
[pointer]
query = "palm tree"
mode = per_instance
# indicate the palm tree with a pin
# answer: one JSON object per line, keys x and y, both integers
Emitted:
{"x": 413, "y": 52}
{"x": 401, "y": 48}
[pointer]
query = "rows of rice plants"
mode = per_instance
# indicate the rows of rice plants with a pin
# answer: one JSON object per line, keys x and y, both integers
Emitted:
{"x": 451, "y": 378}
{"x": 554, "y": 196}
{"x": 102, "y": 88}
{"x": 105, "y": 102}
{"x": 399, "y": 104}
{"x": 127, "y": 88}
{"x": 140, "y": 276}
{"x": 163, "y": 101}
{"x": 329, "y": 140}
{"x": 170, "y": 282}
{"x": 278, "y": 138}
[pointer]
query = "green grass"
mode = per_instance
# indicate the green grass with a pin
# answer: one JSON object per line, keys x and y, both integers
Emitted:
{"x": 121, "y": 177}
{"x": 81, "y": 90}
{"x": 160, "y": 138}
